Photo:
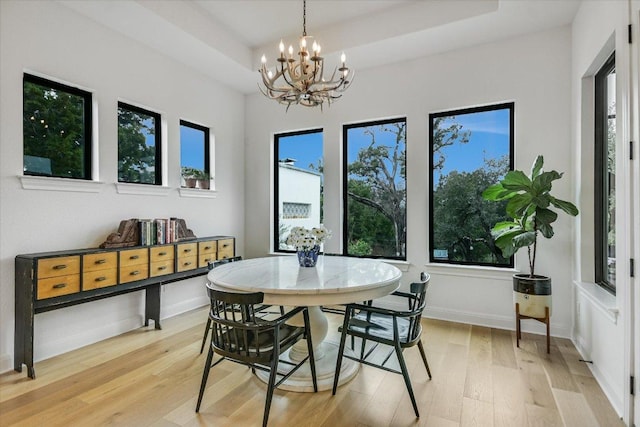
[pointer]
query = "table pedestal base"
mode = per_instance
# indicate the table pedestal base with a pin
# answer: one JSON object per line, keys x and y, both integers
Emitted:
{"x": 325, "y": 370}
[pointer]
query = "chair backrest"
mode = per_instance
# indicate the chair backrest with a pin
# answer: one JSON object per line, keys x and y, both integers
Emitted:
{"x": 213, "y": 264}
{"x": 238, "y": 333}
{"x": 417, "y": 304}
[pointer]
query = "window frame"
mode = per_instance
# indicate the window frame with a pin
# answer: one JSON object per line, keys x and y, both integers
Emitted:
{"x": 460, "y": 111}
{"x": 276, "y": 183}
{"x": 345, "y": 185}
{"x": 600, "y": 203}
{"x": 87, "y": 122}
{"x": 207, "y": 149}
{"x": 158, "y": 142}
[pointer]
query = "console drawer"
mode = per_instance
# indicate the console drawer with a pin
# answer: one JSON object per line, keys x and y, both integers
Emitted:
{"x": 99, "y": 279}
{"x": 100, "y": 261}
{"x": 225, "y": 248}
{"x": 187, "y": 263}
{"x": 133, "y": 257}
{"x": 58, "y": 266}
{"x": 160, "y": 268}
{"x": 56, "y": 286}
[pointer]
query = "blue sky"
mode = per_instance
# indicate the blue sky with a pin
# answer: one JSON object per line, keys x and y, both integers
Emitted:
{"x": 489, "y": 139}
{"x": 191, "y": 147}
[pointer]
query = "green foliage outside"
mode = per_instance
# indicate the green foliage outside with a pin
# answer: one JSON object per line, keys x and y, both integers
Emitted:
{"x": 463, "y": 219}
{"x": 377, "y": 195}
{"x": 53, "y": 132}
{"x": 136, "y": 159}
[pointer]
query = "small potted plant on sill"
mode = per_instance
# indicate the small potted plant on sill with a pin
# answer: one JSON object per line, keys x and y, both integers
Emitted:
{"x": 530, "y": 206}
{"x": 190, "y": 176}
{"x": 204, "y": 180}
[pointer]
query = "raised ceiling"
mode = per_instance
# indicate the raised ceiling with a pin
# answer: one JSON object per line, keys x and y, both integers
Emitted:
{"x": 225, "y": 39}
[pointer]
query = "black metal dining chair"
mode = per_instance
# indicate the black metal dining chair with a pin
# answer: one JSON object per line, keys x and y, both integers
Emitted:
{"x": 398, "y": 329}
{"x": 240, "y": 335}
{"x": 265, "y": 309}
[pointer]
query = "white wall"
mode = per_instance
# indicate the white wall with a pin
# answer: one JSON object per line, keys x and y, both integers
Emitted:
{"x": 48, "y": 38}
{"x": 600, "y": 318}
{"x": 299, "y": 186}
{"x": 533, "y": 71}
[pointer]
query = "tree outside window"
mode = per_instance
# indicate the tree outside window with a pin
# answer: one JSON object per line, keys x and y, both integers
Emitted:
{"x": 470, "y": 149}
{"x": 56, "y": 129}
{"x": 139, "y": 139}
{"x": 375, "y": 189}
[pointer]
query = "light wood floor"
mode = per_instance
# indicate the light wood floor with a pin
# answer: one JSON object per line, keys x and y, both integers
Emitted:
{"x": 151, "y": 378}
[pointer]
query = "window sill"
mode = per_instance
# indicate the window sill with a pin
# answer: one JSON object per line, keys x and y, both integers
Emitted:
{"x": 478, "y": 271}
{"x": 601, "y": 299}
{"x": 197, "y": 192}
{"x": 60, "y": 184}
{"x": 142, "y": 189}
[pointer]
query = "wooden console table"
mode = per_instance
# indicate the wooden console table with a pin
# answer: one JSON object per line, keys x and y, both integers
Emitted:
{"x": 53, "y": 280}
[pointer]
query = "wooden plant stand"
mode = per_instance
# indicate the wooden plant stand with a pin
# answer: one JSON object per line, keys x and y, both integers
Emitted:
{"x": 546, "y": 320}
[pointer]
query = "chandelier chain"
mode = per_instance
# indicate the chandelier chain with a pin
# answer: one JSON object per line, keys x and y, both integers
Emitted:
{"x": 304, "y": 18}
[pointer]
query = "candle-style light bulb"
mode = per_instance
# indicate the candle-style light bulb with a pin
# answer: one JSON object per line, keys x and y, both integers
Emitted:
{"x": 315, "y": 47}
{"x": 343, "y": 58}
{"x": 264, "y": 59}
{"x": 281, "y": 46}
{"x": 290, "y": 51}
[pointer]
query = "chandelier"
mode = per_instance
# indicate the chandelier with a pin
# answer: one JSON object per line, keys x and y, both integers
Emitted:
{"x": 301, "y": 80}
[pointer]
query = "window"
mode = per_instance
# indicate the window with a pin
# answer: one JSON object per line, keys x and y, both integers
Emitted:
{"x": 470, "y": 149}
{"x": 56, "y": 128}
{"x": 139, "y": 139}
{"x": 375, "y": 189}
{"x": 296, "y": 210}
{"x": 194, "y": 151}
{"x": 298, "y": 180}
{"x": 605, "y": 175}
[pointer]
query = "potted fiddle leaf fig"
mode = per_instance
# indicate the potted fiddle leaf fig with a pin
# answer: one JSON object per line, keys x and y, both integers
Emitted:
{"x": 532, "y": 209}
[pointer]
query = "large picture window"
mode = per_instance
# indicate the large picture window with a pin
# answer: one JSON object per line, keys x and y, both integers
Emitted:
{"x": 470, "y": 149}
{"x": 56, "y": 128}
{"x": 375, "y": 189}
{"x": 605, "y": 175}
{"x": 139, "y": 145}
{"x": 298, "y": 180}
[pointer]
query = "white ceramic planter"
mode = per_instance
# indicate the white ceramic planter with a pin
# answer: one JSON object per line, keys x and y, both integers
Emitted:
{"x": 532, "y": 294}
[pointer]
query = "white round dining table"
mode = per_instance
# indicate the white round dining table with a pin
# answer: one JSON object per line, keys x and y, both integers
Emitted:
{"x": 334, "y": 280}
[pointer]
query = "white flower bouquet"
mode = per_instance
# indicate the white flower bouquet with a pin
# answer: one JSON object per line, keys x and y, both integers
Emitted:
{"x": 304, "y": 239}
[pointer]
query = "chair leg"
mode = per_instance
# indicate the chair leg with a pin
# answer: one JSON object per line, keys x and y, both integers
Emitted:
{"x": 343, "y": 339}
{"x": 205, "y": 376}
{"x": 312, "y": 358}
{"x": 424, "y": 357}
{"x": 206, "y": 333}
{"x": 407, "y": 381}
{"x": 270, "y": 387}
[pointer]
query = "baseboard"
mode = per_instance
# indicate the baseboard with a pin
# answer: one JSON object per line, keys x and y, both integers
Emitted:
{"x": 493, "y": 321}
{"x": 172, "y": 310}
{"x": 6, "y": 363}
{"x": 608, "y": 389}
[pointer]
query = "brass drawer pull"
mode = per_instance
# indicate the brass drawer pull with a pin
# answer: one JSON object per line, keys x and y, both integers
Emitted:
{"x": 207, "y": 259}
{"x": 101, "y": 279}
{"x": 206, "y": 248}
{"x": 134, "y": 273}
{"x": 225, "y": 245}
{"x": 187, "y": 250}
{"x": 59, "y": 286}
{"x": 162, "y": 253}
{"x": 134, "y": 257}
{"x": 164, "y": 267}
{"x": 100, "y": 261}
{"x": 60, "y": 267}
{"x": 187, "y": 263}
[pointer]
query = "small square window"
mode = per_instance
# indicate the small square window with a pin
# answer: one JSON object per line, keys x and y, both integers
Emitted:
{"x": 56, "y": 129}
{"x": 194, "y": 155}
{"x": 139, "y": 145}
